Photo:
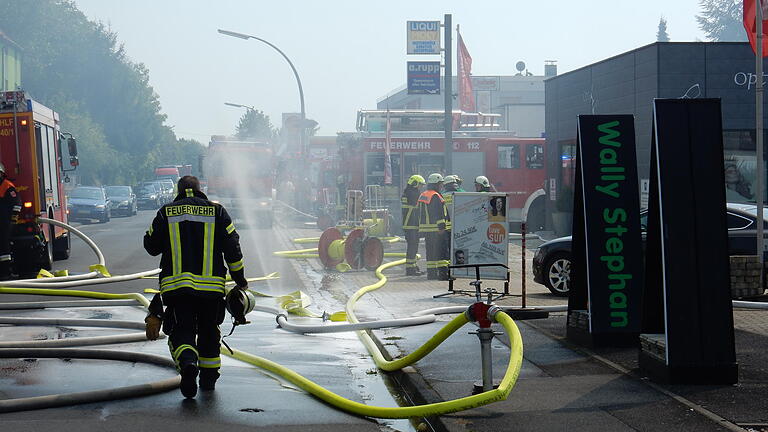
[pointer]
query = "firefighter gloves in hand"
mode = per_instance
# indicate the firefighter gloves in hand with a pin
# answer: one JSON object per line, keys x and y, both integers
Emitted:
{"x": 152, "y": 328}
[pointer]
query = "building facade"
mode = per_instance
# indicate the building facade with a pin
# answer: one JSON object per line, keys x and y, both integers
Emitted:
{"x": 10, "y": 64}
{"x": 519, "y": 99}
{"x": 628, "y": 83}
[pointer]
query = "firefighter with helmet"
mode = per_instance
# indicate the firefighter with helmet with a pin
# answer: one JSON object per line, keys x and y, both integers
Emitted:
{"x": 196, "y": 237}
{"x": 451, "y": 184}
{"x": 433, "y": 218}
{"x": 482, "y": 184}
{"x": 410, "y": 208}
{"x": 10, "y": 206}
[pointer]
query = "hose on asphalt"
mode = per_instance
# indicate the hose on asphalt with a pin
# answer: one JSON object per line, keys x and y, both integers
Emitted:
{"x": 66, "y": 399}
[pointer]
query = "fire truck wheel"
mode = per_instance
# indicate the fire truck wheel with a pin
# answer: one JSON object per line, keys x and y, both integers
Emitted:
{"x": 46, "y": 256}
{"x": 61, "y": 247}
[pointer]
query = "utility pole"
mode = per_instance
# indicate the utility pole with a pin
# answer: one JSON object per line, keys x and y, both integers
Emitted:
{"x": 759, "y": 135}
{"x": 448, "y": 93}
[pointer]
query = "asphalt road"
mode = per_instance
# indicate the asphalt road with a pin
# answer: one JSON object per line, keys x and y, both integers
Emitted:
{"x": 245, "y": 398}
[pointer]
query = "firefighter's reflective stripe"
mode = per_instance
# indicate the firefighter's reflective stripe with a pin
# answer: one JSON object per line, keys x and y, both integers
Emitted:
{"x": 411, "y": 262}
{"x": 208, "y": 232}
{"x": 209, "y": 362}
{"x": 189, "y": 192}
{"x": 191, "y": 218}
{"x": 235, "y": 266}
{"x": 151, "y": 230}
{"x": 408, "y": 217}
{"x": 5, "y": 257}
{"x": 176, "y": 352}
{"x": 448, "y": 197}
{"x": 16, "y": 209}
{"x": 230, "y": 228}
{"x": 175, "y": 239}
{"x": 438, "y": 264}
{"x": 190, "y": 280}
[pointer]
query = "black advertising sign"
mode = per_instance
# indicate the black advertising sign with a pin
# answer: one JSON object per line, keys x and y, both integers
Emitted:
{"x": 687, "y": 300}
{"x": 607, "y": 244}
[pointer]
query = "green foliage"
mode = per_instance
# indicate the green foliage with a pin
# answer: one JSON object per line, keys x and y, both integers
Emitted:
{"x": 661, "y": 34}
{"x": 721, "y": 20}
{"x": 255, "y": 124}
{"x": 78, "y": 68}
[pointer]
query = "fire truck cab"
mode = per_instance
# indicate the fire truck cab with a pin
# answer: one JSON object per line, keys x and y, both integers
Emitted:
{"x": 33, "y": 150}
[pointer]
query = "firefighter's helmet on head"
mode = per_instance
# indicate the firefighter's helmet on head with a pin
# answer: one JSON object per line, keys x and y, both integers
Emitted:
{"x": 2, "y": 168}
{"x": 435, "y": 178}
{"x": 451, "y": 179}
{"x": 416, "y": 180}
{"x": 239, "y": 304}
{"x": 483, "y": 181}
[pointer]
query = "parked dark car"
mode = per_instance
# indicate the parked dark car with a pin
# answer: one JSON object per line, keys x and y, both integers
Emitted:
{"x": 88, "y": 202}
{"x": 552, "y": 261}
{"x": 149, "y": 196}
{"x": 122, "y": 200}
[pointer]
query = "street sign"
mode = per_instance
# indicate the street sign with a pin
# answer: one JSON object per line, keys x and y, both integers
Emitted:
{"x": 424, "y": 77}
{"x": 423, "y": 37}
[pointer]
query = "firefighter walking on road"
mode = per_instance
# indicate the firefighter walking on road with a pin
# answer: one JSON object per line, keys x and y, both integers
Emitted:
{"x": 410, "y": 208}
{"x": 433, "y": 218}
{"x": 195, "y": 237}
{"x": 10, "y": 206}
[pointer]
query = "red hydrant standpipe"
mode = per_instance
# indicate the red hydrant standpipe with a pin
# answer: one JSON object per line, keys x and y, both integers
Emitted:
{"x": 483, "y": 313}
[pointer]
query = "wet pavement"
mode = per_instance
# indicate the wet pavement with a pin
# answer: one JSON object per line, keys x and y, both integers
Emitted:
{"x": 561, "y": 386}
{"x": 245, "y": 396}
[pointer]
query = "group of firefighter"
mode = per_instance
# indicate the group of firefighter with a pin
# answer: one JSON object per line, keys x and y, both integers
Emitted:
{"x": 426, "y": 213}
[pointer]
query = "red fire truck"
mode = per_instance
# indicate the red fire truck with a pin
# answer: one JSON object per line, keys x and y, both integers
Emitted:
{"x": 37, "y": 157}
{"x": 239, "y": 175}
{"x": 513, "y": 165}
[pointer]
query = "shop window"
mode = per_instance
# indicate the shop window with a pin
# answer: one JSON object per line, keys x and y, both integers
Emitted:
{"x": 509, "y": 156}
{"x": 534, "y": 156}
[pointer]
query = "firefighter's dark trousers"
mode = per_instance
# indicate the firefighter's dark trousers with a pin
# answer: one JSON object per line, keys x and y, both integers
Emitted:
{"x": 437, "y": 258}
{"x": 412, "y": 248}
{"x": 192, "y": 324}
{"x": 5, "y": 249}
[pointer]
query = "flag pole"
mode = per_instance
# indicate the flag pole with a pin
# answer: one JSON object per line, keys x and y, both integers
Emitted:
{"x": 759, "y": 135}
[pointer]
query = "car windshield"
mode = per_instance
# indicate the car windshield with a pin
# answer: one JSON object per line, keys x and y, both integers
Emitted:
{"x": 118, "y": 191}
{"x": 150, "y": 189}
{"x": 82, "y": 193}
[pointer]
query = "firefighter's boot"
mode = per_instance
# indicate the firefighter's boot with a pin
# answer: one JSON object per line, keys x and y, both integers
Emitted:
{"x": 208, "y": 379}
{"x": 5, "y": 271}
{"x": 413, "y": 271}
{"x": 188, "y": 380}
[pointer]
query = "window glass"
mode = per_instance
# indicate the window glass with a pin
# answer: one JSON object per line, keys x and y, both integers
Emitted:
{"x": 509, "y": 156}
{"x": 534, "y": 156}
{"x": 53, "y": 167}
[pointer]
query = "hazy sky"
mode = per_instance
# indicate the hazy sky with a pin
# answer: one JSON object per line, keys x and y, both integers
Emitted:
{"x": 350, "y": 53}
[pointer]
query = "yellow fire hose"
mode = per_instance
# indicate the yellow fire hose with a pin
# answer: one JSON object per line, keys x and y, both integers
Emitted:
{"x": 510, "y": 377}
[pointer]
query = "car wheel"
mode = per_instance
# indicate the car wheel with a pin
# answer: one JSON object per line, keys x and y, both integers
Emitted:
{"x": 557, "y": 274}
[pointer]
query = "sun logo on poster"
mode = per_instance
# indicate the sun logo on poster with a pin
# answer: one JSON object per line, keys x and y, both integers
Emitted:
{"x": 496, "y": 233}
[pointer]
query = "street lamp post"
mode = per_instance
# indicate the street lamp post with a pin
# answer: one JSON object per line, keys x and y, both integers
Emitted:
{"x": 248, "y": 108}
{"x": 303, "y": 114}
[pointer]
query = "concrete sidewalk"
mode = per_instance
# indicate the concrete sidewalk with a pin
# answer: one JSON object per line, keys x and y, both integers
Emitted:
{"x": 561, "y": 386}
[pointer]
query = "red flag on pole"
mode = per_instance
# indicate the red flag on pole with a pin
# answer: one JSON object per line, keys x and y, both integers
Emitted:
{"x": 466, "y": 95}
{"x": 749, "y": 24}
{"x": 387, "y": 155}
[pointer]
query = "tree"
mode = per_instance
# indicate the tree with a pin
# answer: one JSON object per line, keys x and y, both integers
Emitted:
{"x": 255, "y": 124}
{"x": 661, "y": 35}
{"x": 721, "y": 20}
